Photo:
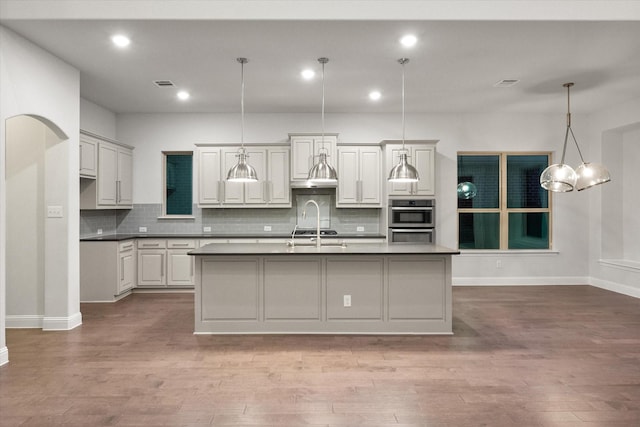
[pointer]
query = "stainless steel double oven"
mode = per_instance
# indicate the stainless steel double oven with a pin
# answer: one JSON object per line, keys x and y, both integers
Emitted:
{"x": 412, "y": 221}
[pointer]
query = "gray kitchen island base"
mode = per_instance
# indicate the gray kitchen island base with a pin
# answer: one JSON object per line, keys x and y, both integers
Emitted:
{"x": 322, "y": 290}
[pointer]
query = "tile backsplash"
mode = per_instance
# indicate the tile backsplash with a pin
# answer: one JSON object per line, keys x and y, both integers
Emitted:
{"x": 225, "y": 221}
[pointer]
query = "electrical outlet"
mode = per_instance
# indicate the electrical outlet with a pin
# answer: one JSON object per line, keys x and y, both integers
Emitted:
{"x": 99, "y": 230}
{"x": 498, "y": 263}
{"x": 347, "y": 300}
{"x": 54, "y": 211}
{"x": 142, "y": 229}
{"x": 267, "y": 228}
{"x": 359, "y": 228}
{"x": 206, "y": 229}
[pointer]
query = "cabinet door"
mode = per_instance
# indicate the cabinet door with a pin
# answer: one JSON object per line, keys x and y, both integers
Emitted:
{"x": 151, "y": 267}
{"x": 369, "y": 186}
{"x": 302, "y": 149}
{"x": 88, "y": 157}
{"x": 209, "y": 182}
{"x": 125, "y": 177}
{"x": 126, "y": 270}
{"x": 348, "y": 175}
{"x": 233, "y": 191}
{"x": 329, "y": 146}
{"x": 254, "y": 192}
{"x": 179, "y": 267}
{"x": 424, "y": 161}
{"x": 278, "y": 188}
{"x": 107, "y": 174}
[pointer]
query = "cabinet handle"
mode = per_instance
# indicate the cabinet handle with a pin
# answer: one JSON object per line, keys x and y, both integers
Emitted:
{"x": 179, "y": 244}
{"x": 121, "y": 269}
{"x": 162, "y": 265}
{"x": 223, "y": 189}
{"x": 118, "y": 191}
{"x": 359, "y": 191}
{"x": 125, "y": 248}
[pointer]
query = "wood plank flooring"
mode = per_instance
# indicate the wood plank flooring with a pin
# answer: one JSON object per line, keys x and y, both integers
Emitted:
{"x": 520, "y": 356}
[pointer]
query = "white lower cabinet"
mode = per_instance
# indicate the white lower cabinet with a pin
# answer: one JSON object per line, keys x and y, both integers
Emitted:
{"x": 165, "y": 263}
{"x": 107, "y": 270}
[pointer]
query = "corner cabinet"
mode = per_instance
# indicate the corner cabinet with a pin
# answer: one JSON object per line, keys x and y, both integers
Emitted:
{"x": 422, "y": 156}
{"x": 271, "y": 190}
{"x": 359, "y": 176}
{"x": 305, "y": 149}
{"x": 113, "y": 186}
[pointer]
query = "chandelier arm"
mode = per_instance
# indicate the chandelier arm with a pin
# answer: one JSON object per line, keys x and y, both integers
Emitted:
{"x": 577, "y": 146}
{"x": 564, "y": 147}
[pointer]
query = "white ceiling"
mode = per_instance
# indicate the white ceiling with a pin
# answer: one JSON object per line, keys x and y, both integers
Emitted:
{"x": 452, "y": 68}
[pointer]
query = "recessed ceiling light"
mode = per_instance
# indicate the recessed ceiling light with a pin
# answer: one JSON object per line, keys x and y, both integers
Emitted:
{"x": 308, "y": 74}
{"x": 409, "y": 40}
{"x": 183, "y": 95}
{"x": 120, "y": 40}
{"x": 375, "y": 95}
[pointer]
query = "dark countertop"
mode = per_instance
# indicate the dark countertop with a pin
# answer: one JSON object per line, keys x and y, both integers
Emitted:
{"x": 349, "y": 249}
{"x": 120, "y": 237}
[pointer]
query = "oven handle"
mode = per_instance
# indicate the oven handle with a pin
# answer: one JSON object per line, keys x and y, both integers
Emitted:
{"x": 412, "y": 230}
{"x": 412, "y": 209}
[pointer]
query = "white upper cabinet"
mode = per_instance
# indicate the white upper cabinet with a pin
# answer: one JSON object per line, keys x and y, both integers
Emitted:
{"x": 422, "y": 157}
{"x": 359, "y": 176}
{"x": 271, "y": 190}
{"x": 88, "y": 156}
{"x": 113, "y": 186}
{"x": 304, "y": 152}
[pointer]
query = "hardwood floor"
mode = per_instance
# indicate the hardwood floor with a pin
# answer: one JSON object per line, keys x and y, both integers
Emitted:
{"x": 520, "y": 356}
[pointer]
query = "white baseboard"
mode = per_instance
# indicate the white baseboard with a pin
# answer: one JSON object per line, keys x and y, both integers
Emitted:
{"x": 4, "y": 356}
{"x": 519, "y": 281}
{"x": 23, "y": 321}
{"x": 616, "y": 287}
{"x": 62, "y": 323}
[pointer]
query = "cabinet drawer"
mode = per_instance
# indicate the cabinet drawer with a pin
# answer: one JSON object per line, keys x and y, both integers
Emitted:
{"x": 181, "y": 244}
{"x": 126, "y": 245}
{"x": 152, "y": 244}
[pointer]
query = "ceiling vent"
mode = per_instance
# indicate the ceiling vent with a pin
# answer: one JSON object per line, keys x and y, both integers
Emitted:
{"x": 163, "y": 83}
{"x": 506, "y": 83}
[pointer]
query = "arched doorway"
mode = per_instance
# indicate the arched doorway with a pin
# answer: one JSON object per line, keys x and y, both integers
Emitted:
{"x": 36, "y": 208}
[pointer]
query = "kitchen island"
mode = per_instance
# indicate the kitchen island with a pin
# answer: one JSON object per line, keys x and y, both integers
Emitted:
{"x": 372, "y": 288}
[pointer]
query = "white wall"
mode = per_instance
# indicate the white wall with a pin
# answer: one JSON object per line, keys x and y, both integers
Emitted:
{"x": 97, "y": 119}
{"x": 34, "y": 82}
{"x": 152, "y": 133}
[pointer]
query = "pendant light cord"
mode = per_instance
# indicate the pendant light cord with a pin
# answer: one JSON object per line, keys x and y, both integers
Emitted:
{"x": 403, "y": 61}
{"x": 323, "y": 61}
{"x": 242, "y": 61}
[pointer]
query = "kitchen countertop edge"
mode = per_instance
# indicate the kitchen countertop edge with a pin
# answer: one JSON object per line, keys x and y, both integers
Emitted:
{"x": 121, "y": 237}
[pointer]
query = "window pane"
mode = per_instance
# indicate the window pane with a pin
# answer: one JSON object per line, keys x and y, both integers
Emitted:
{"x": 179, "y": 184}
{"x": 529, "y": 230}
{"x": 523, "y": 181}
{"x": 484, "y": 172}
{"x": 479, "y": 231}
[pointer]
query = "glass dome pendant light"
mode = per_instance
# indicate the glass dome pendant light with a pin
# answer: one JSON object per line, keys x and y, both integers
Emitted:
{"x": 561, "y": 177}
{"x": 242, "y": 171}
{"x": 322, "y": 172}
{"x": 403, "y": 171}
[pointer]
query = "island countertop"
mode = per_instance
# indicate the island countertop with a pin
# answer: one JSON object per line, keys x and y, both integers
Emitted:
{"x": 330, "y": 249}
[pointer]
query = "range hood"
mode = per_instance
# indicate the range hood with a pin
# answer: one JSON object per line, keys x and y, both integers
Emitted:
{"x": 306, "y": 184}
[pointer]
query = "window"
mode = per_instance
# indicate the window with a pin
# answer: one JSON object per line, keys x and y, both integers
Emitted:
{"x": 509, "y": 209}
{"x": 178, "y": 183}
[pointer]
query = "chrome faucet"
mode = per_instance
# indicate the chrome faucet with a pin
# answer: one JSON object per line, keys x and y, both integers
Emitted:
{"x": 304, "y": 215}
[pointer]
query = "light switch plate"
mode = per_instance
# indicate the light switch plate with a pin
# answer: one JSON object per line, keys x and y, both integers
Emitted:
{"x": 99, "y": 230}
{"x": 206, "y": 229}
{"x": 142, "y": 229}
{"x": 359, "y": 228}
{"x": 267, "y": 228}
{"x": 54, "y": 211}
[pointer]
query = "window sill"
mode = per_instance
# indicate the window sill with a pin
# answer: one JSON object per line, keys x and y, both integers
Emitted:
{"x": 185, "y": 217}
{"x": 511, "y": 252}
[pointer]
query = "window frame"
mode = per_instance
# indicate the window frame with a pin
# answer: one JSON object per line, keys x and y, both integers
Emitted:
{"x": 502, "y": 208}
{"x": 166, "y": 153}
